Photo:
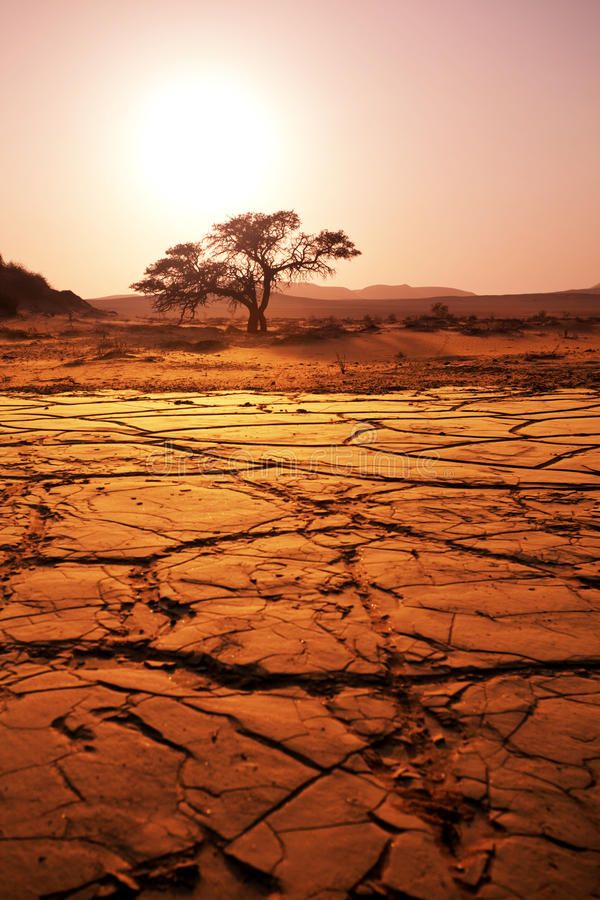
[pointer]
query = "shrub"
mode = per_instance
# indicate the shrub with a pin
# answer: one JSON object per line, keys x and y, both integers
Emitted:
{"x": 342, "y": 362}
{"x": 369, "y": 323}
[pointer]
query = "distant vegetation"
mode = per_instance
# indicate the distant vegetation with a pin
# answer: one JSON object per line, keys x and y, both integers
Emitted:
{"x": 242, "y": 261}
{"x": 440, "y": 318}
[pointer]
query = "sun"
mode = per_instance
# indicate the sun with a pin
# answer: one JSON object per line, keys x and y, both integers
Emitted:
{"x": 205, "y": 143}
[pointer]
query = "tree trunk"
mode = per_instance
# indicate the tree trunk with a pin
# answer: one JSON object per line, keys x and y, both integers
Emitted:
{"x": 253, "y": 321}
{"x": 266, "y": 296}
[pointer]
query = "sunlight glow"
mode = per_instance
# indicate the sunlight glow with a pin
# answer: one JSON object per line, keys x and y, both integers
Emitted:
{"x": 205, "y": 144}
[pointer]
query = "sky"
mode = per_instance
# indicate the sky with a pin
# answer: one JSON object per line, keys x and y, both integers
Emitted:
{"x": 455, "y": 141}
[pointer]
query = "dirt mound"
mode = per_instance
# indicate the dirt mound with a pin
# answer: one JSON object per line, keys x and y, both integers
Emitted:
{"x": 22, "y": 291}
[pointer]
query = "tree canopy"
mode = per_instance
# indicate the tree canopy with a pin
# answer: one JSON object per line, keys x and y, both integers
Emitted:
{"x": 242, "y": 260}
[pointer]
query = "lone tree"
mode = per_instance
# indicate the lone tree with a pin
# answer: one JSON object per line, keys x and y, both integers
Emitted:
{"x": 242, "y": 260}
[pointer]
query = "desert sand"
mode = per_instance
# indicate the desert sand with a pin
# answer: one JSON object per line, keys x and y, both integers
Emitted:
{"x": 292, "y": 644}
{"x": 49, "y": 354}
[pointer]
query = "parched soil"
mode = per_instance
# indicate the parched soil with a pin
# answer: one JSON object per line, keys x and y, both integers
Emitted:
{"x": 310, "y": 646}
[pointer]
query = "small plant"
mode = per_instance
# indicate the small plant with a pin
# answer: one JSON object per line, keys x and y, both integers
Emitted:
{"x": 111, "y": 346}
{"x": 342, "y": 362}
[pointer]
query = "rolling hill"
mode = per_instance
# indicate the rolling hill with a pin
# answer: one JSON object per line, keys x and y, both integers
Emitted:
{"x": 371, "y": 292}
{"x": 583, "y": 302}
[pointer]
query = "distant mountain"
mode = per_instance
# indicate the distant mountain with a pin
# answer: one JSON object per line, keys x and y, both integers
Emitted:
{"x": 592, "y": 290}
{"x": 22, "y": 291}
{"x": 372, "y": 292}
{"x": 134, "y": 305}
{"x": 577, "y": 302}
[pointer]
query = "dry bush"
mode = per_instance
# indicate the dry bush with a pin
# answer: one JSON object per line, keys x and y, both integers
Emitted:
{"x": 330, "y": 329}
{"x": 342, "y": 362}
{"x": 423, "y": 323}
{"x": 370, "y": 323}
{"x": 108, "y": 348}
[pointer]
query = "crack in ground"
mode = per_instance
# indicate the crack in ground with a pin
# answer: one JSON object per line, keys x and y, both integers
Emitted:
{"x": 312, "y": 677}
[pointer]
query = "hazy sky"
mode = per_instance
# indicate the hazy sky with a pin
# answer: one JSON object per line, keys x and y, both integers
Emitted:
{"x": 456, "y": 141}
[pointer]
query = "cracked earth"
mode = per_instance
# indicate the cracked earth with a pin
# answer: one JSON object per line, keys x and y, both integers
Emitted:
{"x": 321, "y": 647}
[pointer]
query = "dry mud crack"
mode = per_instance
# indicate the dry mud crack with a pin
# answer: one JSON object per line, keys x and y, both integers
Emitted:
{"x": 311, "y": 647}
